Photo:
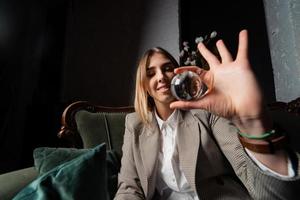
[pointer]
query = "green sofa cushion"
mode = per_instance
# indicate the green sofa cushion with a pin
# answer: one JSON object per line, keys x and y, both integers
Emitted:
{"x": 11, "y": 183}
{"x": 81, "y": 178}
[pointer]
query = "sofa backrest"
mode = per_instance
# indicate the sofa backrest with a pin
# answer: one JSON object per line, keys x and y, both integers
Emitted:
{"x": 96, "y": 128}
{"x": 85, "y": 125}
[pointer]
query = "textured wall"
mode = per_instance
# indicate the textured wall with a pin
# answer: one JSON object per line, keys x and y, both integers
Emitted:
{"x": 283, "y": 24}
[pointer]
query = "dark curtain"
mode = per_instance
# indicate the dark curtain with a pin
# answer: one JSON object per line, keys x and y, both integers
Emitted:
{"x": 32, "y": 37}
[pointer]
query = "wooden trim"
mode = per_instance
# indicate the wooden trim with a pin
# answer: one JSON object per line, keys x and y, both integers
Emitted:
{"x": 69, "y": 130}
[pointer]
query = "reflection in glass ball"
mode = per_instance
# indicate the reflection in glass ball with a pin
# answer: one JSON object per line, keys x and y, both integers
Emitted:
{"x": 187, "y": 86}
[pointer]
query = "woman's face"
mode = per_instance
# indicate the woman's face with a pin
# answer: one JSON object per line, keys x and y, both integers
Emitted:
{"x": 159, "y": 75}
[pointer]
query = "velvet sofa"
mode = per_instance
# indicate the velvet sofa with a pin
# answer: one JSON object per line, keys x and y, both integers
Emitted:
{"x": 84, "y": 127}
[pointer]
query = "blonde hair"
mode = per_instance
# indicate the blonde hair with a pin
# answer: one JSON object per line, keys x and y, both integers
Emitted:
{"x": 143, "y": 103}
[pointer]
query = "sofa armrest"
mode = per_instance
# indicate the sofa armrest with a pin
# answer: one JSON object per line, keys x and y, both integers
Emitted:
{"x": 12, "y": 182}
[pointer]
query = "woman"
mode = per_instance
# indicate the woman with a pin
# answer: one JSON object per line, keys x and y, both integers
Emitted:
{"x": 171, "y": 152}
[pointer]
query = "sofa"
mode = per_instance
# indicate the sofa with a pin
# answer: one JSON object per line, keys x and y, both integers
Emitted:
{"x": 84, "y": 127}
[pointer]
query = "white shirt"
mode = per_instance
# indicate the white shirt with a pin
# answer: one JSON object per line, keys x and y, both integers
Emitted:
{"x": 171, "y": 181}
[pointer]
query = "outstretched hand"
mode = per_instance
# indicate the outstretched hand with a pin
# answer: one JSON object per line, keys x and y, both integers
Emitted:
{"x": 234, "y": 93}
{"x": 233, "y": 89}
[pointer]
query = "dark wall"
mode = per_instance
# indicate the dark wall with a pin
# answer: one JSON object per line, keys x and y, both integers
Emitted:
{"x": 198, "y": 18}
{"x": 54, "y": 52}
{"x": 102, "y": 44}
{"x": 31, "y": 52}
{"x": 104, "y": 41}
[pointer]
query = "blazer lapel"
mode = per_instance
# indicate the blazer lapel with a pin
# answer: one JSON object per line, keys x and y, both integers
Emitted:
{"x": 149, "y": 146}
{"x": 188, "y": 141}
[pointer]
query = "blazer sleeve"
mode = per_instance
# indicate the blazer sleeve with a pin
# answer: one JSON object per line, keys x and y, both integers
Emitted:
{"x": 260, "y": 184}
{"x": 129, "y": 186}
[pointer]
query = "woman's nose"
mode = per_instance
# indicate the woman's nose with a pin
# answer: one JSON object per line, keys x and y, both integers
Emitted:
{"x": 160, "y": 76}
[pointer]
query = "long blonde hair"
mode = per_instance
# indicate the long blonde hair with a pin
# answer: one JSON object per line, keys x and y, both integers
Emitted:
{"x": 143, "y": 103}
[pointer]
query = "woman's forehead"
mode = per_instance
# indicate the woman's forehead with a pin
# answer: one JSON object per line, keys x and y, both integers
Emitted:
{"x": 158, "y": 59}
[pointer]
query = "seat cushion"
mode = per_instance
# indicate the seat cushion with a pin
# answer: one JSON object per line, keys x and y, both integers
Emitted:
{"x": 11, "y": 183}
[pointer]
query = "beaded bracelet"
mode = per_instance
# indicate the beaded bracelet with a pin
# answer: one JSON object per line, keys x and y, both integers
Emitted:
{"x": 260, "y": 137}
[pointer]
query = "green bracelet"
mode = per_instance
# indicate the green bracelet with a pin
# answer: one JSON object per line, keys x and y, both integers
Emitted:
{"x": 260, "y": 137}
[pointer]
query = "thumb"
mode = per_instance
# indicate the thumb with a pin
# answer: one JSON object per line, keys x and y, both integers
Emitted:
{"x": 197, "y": 104}
{"x": 205, "y": 103}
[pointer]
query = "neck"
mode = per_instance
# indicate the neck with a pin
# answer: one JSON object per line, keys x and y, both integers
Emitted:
{"x": 164, "y": 111}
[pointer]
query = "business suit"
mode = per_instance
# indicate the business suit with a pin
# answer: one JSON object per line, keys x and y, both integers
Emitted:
{"x": 210, "y": 156}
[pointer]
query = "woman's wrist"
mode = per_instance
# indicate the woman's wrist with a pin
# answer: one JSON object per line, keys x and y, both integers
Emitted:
{"x": 254, "y": 125}
{"x": 260, "y": 135}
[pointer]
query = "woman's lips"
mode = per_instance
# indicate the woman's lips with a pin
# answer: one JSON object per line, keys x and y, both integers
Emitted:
{"x": 163, "y": 88}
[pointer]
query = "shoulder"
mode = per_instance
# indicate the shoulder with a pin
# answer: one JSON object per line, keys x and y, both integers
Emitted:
{"x": 201, "y": 115}
{"x": 205, "y": 116}
{"x": 133, "y": 116}
{"x": 133, "y": 121}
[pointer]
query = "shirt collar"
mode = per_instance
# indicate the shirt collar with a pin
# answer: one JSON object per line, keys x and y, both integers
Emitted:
{"x": 171, "y": 121}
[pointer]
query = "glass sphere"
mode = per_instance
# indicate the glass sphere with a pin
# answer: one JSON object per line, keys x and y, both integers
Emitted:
{"x": 187, "y": 86}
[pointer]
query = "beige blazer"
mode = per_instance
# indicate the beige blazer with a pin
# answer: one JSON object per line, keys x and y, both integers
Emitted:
{"x": 210, "y": 155}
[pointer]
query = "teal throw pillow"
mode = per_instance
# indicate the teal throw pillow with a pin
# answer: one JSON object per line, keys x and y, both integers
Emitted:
{"x": 47, "y": 158}
{"x": 81, "y": 178}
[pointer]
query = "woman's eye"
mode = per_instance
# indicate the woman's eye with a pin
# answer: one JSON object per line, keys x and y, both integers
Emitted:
{"x": 169, "y": 68}
{"x": 150, "y": 73}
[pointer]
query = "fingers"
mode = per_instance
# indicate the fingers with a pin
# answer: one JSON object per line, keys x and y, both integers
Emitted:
{"x": 195, "y": 69}
{"x": 224, "y": 53}
{"x": 209, "y": 56}
{"x": 243, "y": 46}
{"x": 226, "y": 57}
{"x": 185, "y": 68}
{"x": 184, "y": 105}
{"x": 202, "y": 103}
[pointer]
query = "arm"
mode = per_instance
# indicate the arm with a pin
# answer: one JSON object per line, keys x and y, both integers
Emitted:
{"x": 234, "y": 93}
{"x": 277, "y": 161}
{"x": 260, "y": 184}
{"x": 129, "y": 186}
